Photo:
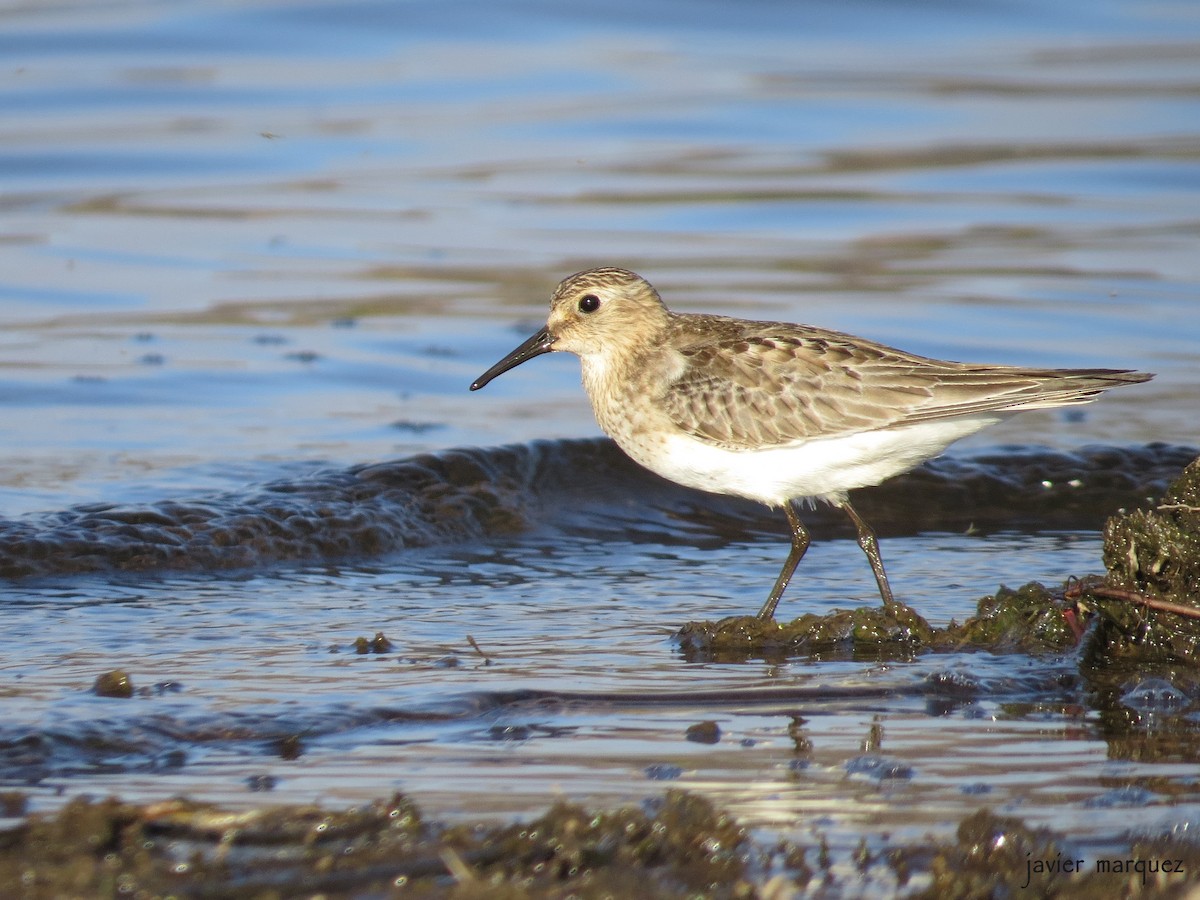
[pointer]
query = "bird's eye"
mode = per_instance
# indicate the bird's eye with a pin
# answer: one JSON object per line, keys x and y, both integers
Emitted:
{"x": 589, "y": 303}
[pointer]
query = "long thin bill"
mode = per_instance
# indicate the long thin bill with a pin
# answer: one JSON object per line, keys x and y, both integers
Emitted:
{"x": 540, "y": 343}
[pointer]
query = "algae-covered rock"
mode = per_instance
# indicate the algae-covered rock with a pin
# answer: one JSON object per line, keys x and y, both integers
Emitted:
{"x": 113, "y": 684}
{"x": 895, "y": 631}
{"x": 1028, "y": 620}
{"x": 1149, "y": 602}
{"x": 1135, "y": 638}
{"x": 1157, "y": 550}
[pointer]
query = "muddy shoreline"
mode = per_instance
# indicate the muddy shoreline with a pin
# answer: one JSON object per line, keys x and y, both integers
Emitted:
{"x": 678, "y": 845}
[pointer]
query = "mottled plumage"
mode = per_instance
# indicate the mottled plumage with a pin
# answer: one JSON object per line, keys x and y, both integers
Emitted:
{"x": 772, "y": 411}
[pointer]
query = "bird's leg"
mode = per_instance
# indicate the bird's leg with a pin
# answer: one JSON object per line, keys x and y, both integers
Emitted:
{"x": 870, "y": 546}
{"x": 800, "y": 540}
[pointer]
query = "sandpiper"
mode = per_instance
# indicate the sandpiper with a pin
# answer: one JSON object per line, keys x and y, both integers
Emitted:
{"x": 772, "y": 411}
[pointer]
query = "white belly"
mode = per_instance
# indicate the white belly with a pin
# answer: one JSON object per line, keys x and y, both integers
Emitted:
{"x": 824, "y": 468}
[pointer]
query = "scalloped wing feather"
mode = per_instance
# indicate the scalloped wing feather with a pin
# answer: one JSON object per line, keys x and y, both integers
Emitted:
{"x": 781, "y": 385}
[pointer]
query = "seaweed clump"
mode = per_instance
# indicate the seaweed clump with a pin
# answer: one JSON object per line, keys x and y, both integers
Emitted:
{"x": 1149, "y": 602}
{"x": 1157, "y": 551}
{"x": 891, "y": 632}
{"x": 1030, "y": 619}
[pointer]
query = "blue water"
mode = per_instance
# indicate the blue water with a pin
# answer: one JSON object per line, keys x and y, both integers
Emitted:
{"x": 243, "y": 242}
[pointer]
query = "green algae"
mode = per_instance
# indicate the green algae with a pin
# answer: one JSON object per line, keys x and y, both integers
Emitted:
{"x": 1131, "y": 635}
{"x": 1030, "y": 619}
{"x": 1157, "y": 550}
{"x": 1149, "y": 601}
{"x": 890, "y": 632}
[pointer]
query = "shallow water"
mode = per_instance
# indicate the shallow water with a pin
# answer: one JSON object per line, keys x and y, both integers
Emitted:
{"x": 246, "y": 245}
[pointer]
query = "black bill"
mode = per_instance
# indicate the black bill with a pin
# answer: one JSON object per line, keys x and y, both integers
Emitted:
{"x": 540, "y": 343}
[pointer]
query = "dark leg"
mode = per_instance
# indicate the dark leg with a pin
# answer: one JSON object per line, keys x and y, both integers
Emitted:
{"x": 870, "y": 546}
{"x": 800, "y": 541}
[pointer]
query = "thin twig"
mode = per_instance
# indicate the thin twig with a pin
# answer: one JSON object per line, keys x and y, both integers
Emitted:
{"x": 478, "y": 649}
{"x": 1184, "y": 506}
{"x": 457, "y": 866}
{"x": 1075, "y": 591}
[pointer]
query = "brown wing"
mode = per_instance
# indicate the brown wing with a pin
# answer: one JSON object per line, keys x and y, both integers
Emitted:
{"x": 769, "y": 384}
